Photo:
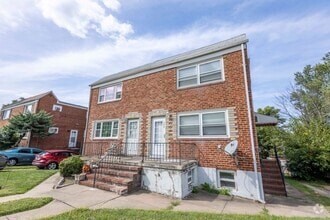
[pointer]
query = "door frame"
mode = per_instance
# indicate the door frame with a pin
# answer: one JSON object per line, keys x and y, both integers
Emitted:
{"x": 153, "y": 151}
{"x": 75, "y": 143}
{"x": 137, "y": 132}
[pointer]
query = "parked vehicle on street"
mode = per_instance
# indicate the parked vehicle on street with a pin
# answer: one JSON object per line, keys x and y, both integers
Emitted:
{"x": 51, "y": 159}
{"x": 3, "y": 161}
{"x": 20, "y": 155}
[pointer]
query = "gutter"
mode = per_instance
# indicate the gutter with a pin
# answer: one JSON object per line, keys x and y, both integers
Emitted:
{"x": 251, "y": 128}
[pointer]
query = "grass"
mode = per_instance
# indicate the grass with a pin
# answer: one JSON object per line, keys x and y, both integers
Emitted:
{"x": 7, "y": 208}
{"x": 20, "y": 179}
{"x": 159, "y": 215}
{"x": 310, "y": 193}
{"x": 211, "y": 189}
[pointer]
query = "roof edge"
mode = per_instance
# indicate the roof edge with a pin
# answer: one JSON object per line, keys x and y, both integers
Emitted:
{"x": 222, "y": 45}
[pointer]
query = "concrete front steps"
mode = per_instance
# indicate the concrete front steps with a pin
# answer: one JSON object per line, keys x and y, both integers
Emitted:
{"x": 271, "y": 178}
{"x": 118, "y": 178}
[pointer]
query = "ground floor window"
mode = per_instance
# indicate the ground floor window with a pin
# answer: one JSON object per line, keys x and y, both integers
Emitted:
{"x": 227, "y": 179}
{"x": 203, "y": 124}
{"x": 106, "y": 129}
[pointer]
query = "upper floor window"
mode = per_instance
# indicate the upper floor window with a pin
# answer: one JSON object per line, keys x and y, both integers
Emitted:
{"x": 110, "y": 93}
{"x": 57, "y": 108}
{"x": 200, "y": 74}
{"x": 6, "y": 114}
{"x": 106, "y": 129}
{"x": 28, "y": 108}
{"x": 204, "y": 124}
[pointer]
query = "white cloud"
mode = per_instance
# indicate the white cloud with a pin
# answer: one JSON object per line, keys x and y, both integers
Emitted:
{"x": 296, "y": 35}
{"x": 112, "y": 4}
{"x": 81, "y": 16}
{"x": 15, "y": 13}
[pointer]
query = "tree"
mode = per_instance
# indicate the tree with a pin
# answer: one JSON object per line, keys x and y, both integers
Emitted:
{"x": 270, "y": 136}
{"x": 308, "y": 107}
{"x": 20, "y": 125}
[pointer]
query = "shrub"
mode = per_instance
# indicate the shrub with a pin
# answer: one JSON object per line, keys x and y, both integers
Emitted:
{"x": 70, "y": 166}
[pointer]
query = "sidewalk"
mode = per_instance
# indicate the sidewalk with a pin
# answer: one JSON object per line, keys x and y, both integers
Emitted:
{"x": 77, "y": 196}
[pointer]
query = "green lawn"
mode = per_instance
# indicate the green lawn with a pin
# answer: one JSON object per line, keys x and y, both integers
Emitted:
{"x": 159, "y": 215}
{"x": 20, "y": 179}
{"x": 298, "y": 184}
{"x": 7, "y": 208}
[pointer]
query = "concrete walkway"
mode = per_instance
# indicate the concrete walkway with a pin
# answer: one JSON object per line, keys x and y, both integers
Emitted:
{"x": 77, "y": 196}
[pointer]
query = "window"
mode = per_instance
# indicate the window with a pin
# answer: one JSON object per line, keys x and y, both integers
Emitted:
{"x": 53, "y": 130}
{"x": 106, "y": 129}
{"x": 28, "y": 108}
{"x": 6, "y": 114}
{"x": 200, "y": 74}
{"x": 24, "y": 151}
{"x": 110, "y": 93}
{"x": 208, "y": 124}
{"x": 57, "y": 108}
{"x": 227, "y": 179}
{"x": 191, "y": 178}
{"x": 36, "y": 151}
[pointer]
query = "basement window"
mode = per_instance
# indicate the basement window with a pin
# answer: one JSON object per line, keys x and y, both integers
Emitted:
{"x": 227, "y": 179}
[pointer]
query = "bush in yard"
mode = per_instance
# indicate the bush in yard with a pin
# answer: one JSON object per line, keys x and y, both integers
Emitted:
{"x": 71, "y": 165}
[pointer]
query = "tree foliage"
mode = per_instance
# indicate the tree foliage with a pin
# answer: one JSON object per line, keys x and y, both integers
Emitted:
{"x": 20, "y": 125}
{"x": 308, "y": 107}
{"x": 270, "y": 136}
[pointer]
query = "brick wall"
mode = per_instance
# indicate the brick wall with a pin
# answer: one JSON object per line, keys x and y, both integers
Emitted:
{"x": 70, "y": 118}
{"x": 157, "y": 92}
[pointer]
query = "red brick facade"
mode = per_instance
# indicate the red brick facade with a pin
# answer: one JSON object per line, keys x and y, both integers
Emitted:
{"x": 158, "y": 91}
{"x": 70, "y": 118}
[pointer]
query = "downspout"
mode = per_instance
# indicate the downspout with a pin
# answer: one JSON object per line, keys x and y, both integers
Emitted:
{"x": 87, "y": 118}
{"x": 250, "y": 127}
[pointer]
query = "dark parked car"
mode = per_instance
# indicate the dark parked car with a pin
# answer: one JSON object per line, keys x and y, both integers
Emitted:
{"x": 21, "y": 155}
{"x": 3, "y": 161}
{"x": 51, "y": 158}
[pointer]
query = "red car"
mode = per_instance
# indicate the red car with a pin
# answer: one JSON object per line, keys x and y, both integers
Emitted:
{"x": 51, "y": 158}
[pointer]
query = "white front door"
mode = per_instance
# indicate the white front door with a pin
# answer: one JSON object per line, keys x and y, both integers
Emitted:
{"x": 158, "y": 145}
{"x": 73, "y": 138}
{"x": 132, "y": 137}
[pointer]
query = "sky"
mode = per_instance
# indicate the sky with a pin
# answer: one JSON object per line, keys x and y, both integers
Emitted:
{"x": 65, "y": 45}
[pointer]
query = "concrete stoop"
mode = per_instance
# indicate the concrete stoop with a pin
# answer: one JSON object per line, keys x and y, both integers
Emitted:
{"x": 118, "y": 178}
{"x": 271, "y": 178}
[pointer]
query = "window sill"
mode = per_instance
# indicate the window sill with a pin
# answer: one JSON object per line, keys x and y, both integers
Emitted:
{"x": 116, "y": 100}
{"x": 200, "y": 85}
{"x": 105, "y": 138}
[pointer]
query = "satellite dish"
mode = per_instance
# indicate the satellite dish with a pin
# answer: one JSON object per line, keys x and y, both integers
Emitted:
{"x": 231, "y": 148}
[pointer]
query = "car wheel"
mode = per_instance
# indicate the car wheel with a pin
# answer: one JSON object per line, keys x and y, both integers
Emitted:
{"x": 12, "y": 162}
{"x": 52, "y": 166}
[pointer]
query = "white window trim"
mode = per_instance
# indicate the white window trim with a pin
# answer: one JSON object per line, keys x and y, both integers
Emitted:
{"x": 200, "y": 113}
{"x": 225, "y": 179}
{"x": 105, "y": 138}
{"x": 26, "y": 108}
{"x": 198, "y": 74}
{"x": 57, "y": 106}
{"x": 104, "y": 87}
{"x": 56, "y": 129}
{"x": 7, "y": 116}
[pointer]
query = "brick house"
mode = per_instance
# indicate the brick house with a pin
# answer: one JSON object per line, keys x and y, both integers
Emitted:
{"x": 69, "y": 121}
{"x": 178, "y": 114}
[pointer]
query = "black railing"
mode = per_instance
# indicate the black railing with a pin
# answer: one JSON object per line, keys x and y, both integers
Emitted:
{"x": 126, "y": 152}
{"x": 271, "y": 152}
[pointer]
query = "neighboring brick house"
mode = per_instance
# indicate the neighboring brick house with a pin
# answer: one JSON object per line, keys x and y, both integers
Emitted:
{"x": 69, "y": 121}
{"x": 202, "y": 97}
